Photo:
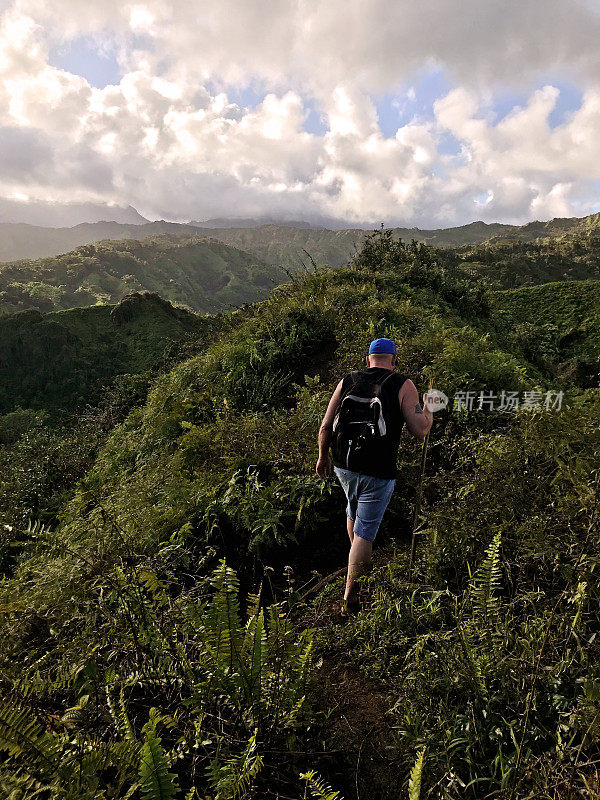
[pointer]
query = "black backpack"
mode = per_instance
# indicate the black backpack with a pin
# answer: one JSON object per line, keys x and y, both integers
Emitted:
{"x": 359, "y": 426}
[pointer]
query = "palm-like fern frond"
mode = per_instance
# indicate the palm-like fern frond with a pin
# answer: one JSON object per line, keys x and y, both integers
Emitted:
{"x": 52, "y": 757}
{"x": 156, "y": 782}
{"x": 416, "y": 774}
{"x": 124, "y": 722}
{"x": 484, "y": 594}
{"x": 21, "y": 734}
{"x": 15, "y": 787}
{"x": 473, "y": 660}
{"x": 253, "y": 602}
{"x": 319, "y": 790}
{"x": 124, "y": 756}
{"x": 254, "y": 651}
{"x": 231, "y": 779}
{"x": 222, "y": 626}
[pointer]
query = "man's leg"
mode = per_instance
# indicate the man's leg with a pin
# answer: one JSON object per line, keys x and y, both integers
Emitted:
{"x": 350, "y": 529}
{"x": 373, "y": 494}
{"x": 359, "y": 563}
{"x": 348, "y": 481}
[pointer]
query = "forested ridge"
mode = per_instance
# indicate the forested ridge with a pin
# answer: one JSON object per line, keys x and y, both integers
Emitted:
{"x": 201, "y": 273}
{"x": 59, "y": 361}
{"x": 237, "y": 266}
{"x": 165, "y": 630}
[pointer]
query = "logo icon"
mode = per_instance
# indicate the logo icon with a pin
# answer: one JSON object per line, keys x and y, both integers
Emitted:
{"x": 436, "y": 400}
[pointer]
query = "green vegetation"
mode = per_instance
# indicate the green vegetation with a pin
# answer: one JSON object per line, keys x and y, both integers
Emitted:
{"x": 163, "y": 634}
{"x": 556, "y": 326}
{"x": 573, "y": 308}
{"x": 510, "y": 245}
{"x": 68, "y": 378}
{"x": 209, "y": 276}
{"x": 201, "y": 273}
{"x": 290, "y": 247}
{"x": 59, "y": 361}
{"x": 513, "y": 263}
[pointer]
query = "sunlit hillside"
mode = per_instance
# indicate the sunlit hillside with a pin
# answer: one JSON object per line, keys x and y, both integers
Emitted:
{"x": 172, "y": 572}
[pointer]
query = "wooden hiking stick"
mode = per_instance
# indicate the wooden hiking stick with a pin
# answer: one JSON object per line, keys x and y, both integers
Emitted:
{"x": 417, "y": 511}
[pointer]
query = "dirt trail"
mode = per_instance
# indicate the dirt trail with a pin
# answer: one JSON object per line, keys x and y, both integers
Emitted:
{"x": 357, "y": 728}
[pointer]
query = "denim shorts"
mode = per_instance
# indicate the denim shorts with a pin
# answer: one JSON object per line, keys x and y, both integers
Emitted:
{"x": 368, "y": 498}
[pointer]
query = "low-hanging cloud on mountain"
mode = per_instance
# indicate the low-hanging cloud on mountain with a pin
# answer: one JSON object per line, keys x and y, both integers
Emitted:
{"x": 278, "y": 108}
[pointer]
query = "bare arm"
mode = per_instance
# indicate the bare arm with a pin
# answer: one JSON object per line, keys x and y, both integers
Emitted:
{"x": 418, "y": 419}
{"x": 324, "y": 463}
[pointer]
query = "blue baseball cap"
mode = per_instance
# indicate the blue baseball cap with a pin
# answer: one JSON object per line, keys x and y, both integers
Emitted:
{"x": 378, "y": 346}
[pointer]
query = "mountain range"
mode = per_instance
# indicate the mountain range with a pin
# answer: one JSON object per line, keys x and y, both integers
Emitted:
{"x": 201, "y": 273}
{"x": 283, "y": 244}
{"x": 208, "y": 274}
{"x": 55, "y": 215}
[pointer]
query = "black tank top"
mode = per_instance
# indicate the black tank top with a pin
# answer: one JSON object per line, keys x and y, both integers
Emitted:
{"x": 385, "y": 465}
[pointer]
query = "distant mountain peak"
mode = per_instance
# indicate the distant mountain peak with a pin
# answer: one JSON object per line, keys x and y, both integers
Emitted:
{"x": 250, "y": 222}
{"x": 66, "y": 215}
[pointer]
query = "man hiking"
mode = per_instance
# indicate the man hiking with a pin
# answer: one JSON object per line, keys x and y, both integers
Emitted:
{"x": 362, "y": 425}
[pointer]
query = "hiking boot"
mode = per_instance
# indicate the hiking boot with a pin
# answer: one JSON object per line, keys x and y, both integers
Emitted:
{"x": 348, "y": 609}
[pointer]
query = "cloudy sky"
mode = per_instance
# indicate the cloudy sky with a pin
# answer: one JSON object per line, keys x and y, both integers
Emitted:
{"x": 412, "y": 112}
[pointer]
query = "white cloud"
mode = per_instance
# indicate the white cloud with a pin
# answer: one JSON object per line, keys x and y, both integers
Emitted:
{"x": 168, "y": 139}
{"x": 324, "y": 45}
{"x": 531, "y": 169}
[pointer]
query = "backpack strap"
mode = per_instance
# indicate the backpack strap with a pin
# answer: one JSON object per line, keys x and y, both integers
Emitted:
{"x": 380, "y": 384}
{"x": 350, "y": 380}
{"x": 353, "y": 380}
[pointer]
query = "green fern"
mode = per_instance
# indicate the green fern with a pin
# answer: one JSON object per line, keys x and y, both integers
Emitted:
{"x": 416, "y": 773}
{"x": 231, "y": 779}
{"x": 20, "y": 734}
{"x": 253, "y": 602}
{"x": 21, "y": 787}
{"x": 156, "y": 782}
{"x": 111, "y": 705}
{"x": 254, "y": 650}
{"x": 44, "y": 678}
{"x": 318, "y": 788}
{"x": 52, "y": 757}
{"x": 125, "y": 755}
{"x": 484, "y": 595}
{"x": 473, "y": 659}
{"x": 124, "y": 721}
{"x": 222, "y": 626}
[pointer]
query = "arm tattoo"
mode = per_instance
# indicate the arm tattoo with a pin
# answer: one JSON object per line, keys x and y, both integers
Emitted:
{"x": 418, "y": 409}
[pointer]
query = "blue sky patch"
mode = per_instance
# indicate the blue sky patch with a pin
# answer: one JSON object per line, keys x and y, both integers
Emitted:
{"x": 246, "y": 96}
{"x": 414, "y": 99}
{"x": 84, "y": 56}
{"x": 504, "y": 103}
{"x": 569, "y": 100}
{"x": 448, "y": 145}
{"x": 315, "y": 122}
